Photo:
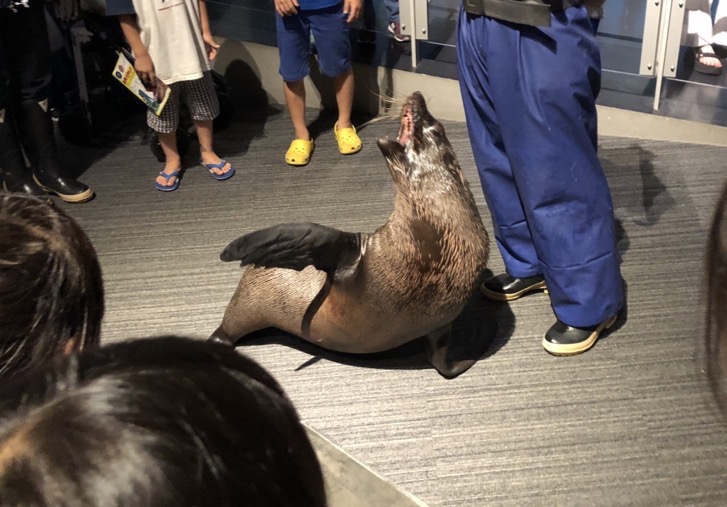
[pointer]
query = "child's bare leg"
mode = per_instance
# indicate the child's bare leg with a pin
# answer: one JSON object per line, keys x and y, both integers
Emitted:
{"x": 206, "y": 151}
{"x": 344, "y": 86}
{"x": 168, "y": 142}
{"x": 295, "y": 100}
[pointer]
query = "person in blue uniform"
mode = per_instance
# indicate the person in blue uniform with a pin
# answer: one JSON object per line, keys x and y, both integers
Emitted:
{"x": 529, "y": 90}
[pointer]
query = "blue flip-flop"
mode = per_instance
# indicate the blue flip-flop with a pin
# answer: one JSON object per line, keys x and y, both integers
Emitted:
{"x": 168, "y": 188}
{"x": 219, "y": 177}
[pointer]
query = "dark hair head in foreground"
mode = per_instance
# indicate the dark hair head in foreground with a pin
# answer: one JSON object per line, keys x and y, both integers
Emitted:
{"x": 51, "y": 291}
{"x": 717, "y": 302}
{"x": 157, "y": 422}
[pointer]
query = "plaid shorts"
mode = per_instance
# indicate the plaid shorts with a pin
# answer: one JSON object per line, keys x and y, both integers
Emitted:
{"x": 198, "y": 95}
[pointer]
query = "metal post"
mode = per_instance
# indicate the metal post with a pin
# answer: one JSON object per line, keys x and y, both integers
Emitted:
{"x": 413, "y": 30}
{"x": 661, "y": 54}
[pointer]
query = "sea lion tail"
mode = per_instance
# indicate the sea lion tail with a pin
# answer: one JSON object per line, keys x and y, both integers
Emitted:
{"x": 295, "y": 246}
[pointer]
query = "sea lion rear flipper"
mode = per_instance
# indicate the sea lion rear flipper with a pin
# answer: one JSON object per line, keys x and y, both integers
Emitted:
{"x": 437, "y": 349}
{"x": 295, "y": 246}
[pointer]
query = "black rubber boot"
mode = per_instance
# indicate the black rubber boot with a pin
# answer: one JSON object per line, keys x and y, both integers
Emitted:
{"x": 36, "y": 130}
{"x": 16, "y": 175}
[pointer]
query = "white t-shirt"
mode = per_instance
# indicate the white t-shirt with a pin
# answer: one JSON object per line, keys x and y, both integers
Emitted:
{"x": 171, "y": 32}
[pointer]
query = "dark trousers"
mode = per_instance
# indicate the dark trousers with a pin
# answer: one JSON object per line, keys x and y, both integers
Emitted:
{"x": 529, "y": 95}
{"x": 25, "y": 64}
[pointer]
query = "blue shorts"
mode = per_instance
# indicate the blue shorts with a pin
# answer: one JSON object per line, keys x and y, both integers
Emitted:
{"x": 330, "y": 31}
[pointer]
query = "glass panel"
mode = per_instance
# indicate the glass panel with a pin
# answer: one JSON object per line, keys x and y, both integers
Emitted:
{"x": 699, "y": 91}
{"x": 244, "y": 20}
{"x": 692, "y": 94}
{"x": 254, "y": 21}
{"x": 620, "y": 35}
{"x": 621, "y": 39}
{"x": 438, "y": 56}
{"x": 375, "y": 43}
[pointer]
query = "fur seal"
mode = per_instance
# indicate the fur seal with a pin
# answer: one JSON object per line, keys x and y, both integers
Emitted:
{"x": 365, "y": 293}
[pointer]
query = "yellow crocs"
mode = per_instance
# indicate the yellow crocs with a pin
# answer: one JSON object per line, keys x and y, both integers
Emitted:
{"x": 348, "y": 140}
{"x": 299, "y": 152}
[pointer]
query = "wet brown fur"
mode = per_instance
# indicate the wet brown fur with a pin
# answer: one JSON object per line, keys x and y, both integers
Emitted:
{"x": 415, "y": 272}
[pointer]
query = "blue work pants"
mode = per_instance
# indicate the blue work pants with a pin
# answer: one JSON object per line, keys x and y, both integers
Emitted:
{"x": 529, "y": 95}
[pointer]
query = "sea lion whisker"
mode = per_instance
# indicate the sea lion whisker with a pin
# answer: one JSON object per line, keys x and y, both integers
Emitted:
{"x": 377, "y": 119}
{"x": 391, "y": 100}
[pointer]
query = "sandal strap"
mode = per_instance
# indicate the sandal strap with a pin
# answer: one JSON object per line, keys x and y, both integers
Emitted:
{"x": 168, "y": 176}
{"x": 221, "y": 164}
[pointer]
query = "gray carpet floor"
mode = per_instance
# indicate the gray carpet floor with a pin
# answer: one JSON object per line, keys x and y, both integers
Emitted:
{"x": 631, "y": 422}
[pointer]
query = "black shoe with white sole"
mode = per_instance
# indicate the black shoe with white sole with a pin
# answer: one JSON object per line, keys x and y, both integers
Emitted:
{"x": 68, "y": 189}
{"x": 564, "y": 340}
{"x": 38, "y": 140}
{"x": 507, "y": 288}
{"x": 25, "y": 187}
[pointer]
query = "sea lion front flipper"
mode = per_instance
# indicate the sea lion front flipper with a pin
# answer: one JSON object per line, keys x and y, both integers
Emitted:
{"x": 295, "y": 246}
{"x": 436, "y": 346}
{"x": 220, "y": 336}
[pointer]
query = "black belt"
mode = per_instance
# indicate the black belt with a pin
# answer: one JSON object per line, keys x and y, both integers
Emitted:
{"x": 526, "y": 12}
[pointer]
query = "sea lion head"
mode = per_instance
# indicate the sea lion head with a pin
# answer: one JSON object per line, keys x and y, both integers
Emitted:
{"x": 421, "y": 149}
{"x": 435, "y": 229}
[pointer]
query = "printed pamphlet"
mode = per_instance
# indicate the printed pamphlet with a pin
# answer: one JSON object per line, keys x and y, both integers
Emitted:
{"x": 155, "y": 97}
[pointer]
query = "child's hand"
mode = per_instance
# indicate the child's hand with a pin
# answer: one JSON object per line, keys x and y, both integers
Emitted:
{"x": 353, "y": 9}
{"x": 211, "y": 45}
{"x": 145, "y": 69}
{"x": 286, "y": 7}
